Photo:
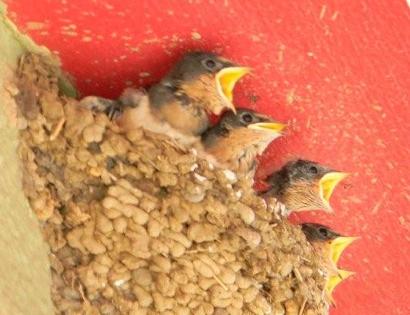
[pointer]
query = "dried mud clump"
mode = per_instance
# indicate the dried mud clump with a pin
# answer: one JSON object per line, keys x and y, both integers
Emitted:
{"x": 136, "y": 225}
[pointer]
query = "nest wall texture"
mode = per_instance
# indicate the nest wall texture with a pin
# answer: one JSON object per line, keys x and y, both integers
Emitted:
{"x": 136, "y": 225}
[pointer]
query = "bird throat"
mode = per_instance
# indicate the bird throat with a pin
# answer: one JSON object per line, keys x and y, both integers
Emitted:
{"x": 301, "y": 196}
{"x": 202, "y": 93}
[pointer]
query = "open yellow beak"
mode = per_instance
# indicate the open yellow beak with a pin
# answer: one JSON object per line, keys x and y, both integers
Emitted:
{"x": 273, "y": 127}
{"x": 225, "y": 83}
{"x": 328, "y": 183}
{"x": 334, "y": 281}
{"x": 338, "y": 245}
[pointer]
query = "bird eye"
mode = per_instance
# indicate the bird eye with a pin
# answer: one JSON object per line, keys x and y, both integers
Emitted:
{"x": 210, "y": 64}
{"x": 323, "y": 231}
{"x": 247, "y": 118}
{"x": 313, "y": 170}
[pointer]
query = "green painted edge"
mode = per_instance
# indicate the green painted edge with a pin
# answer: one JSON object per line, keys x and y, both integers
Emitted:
{"x": 18, "y": 43}
{"x": 25, "y": 286}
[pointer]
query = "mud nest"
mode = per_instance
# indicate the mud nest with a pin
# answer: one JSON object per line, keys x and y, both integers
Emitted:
{"x": 136, "y": 225}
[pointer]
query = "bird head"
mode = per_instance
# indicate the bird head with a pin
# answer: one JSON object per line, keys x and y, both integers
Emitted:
{"x": 208, "y": 79}
{"x": 315, "y": 232}
{"x": 304, "y": 185}
{"x": 332, "y": 244}
{"x": 238, "y": 138}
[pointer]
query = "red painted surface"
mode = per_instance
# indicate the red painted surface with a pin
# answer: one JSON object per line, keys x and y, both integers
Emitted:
{"x": 337, "y": 71}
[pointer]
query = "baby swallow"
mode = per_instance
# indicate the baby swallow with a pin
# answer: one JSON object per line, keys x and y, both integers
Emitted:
{"x": 327, "y": 242}
{"x": 198, "y": 85}
{"x": 304, "y": 185}
{"x": 236, "y": 140}
{"x": 329, "y": 245}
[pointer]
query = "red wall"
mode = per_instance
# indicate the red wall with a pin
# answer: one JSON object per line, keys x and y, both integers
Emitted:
{"x": 337, "y": 71}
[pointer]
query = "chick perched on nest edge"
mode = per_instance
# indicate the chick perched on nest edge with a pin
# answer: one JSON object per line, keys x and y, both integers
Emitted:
{"x": 330, "y": 246}
{"x": 201, "y": 83}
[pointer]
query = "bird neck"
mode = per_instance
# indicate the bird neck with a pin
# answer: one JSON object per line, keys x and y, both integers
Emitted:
{"x": 301, "y": 196}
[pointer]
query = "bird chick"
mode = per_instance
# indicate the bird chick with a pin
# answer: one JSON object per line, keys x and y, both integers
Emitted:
{"x": 328, "y": 243}
{"x": 236, "y": 140}
{"x": 330, "y": 246}
{"x": 303, "y": 185}
{"x": 198, "y": 85}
